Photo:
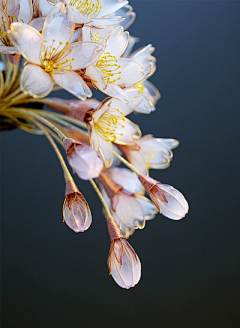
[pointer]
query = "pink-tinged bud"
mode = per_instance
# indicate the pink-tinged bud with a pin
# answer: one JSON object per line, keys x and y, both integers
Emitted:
{"x": 83, "y": 159}
{"x": 123, "y": 263}
{"x": 76, "y": 212}
{"x": 169, "y": 201}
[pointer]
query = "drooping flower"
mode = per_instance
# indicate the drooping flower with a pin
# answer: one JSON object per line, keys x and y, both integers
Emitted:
{"x": 123, "y": 263}
{"x": 111, "y": 73}
{"x": 83, "y": 159}
{"x": 150, "y": 153}
{"x": 128, "y": 206}
{"x": 12, "y": 11}
{"x": 169, "y": 201}
{"x": 76, "y": 212}
{"x": 51, "y": 57}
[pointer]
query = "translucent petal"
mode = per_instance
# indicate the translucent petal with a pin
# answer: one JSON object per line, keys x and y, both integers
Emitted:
{"x": 77, "y": 215}
{"x": 127, "y": 179}
{"x": 110, "y": 6}
{"x": 117, "y": 42}
{"x": 35, "y": 87}
{"x": 27, "y": 40}
{"x": 131, "y": 71}
{"x": 58, "y": 28}
{"x": 25, "y": 11}
{"x": 130, "y": 211}
{"x": 73, "y": 83}
{"x": 177, "y": 206}
{"x": 81, "y": 54}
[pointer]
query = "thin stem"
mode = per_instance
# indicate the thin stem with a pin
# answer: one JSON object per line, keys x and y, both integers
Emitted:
{"x": 46, "y": 122}
{"x": 67, "y": 174}
{"x": 13, "y": 94}
{"x": 95, "y": 187}
{"x": 56, "y": 118}
{"x": 124, "y": 161}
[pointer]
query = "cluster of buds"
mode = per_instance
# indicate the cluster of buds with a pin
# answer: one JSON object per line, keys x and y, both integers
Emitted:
{"x": 79, "y": 46}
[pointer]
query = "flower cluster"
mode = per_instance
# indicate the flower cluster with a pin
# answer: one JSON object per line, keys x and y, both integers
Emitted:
{"x": 79, "y": 46}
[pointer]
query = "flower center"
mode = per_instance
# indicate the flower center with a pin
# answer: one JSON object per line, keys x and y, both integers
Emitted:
{"x": 108, "y": 65}
{"x": 108, "y": 123}
{"x": 53, "y": 58}
{"x": 90, "y": 8}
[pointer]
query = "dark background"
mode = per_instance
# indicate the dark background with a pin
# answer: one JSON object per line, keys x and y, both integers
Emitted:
{"x": 52, "y": 277}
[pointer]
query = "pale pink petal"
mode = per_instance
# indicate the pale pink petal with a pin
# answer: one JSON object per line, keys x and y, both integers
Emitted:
{"x": 116, "y": 42}
{"x": 96, "y": 76}
{"x": 131, "y": 71}
{"x": 35, "y": 81}
{"x": 126, "y": 179}
{"x": 73, "y": 83}
{"x": 81, "y": 54}
{"x": 27, "y": 40}
{"x": 115, "y": 91}
{"x": 25, "y": 11}
{"x": 58, "y": 28}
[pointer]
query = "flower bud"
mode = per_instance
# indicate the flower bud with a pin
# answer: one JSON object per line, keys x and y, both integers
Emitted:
{"x": 123, "y": 263}
{"x": 83, "y": 159}
{"x": 76, "y": 212}
{"x": 169, "y": 201}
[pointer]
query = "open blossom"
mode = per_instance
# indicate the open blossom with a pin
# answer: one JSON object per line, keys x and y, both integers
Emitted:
{"x": 123, "y": 263}
{"x": 150, "y": 153}
{"x": 111, "y": 73}
{"x": 50, "y": 56}
{"x": 128, "y": 206}
{"x": 12, "y": 11}
{"x": 76, "y": 212}
{"x": 90, "y": 12}
{"x": 169, "y": 201}
{"x": 83, "y": 159}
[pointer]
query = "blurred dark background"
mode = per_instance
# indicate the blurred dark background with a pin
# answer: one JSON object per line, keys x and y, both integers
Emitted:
{"x": 52, "y": 277}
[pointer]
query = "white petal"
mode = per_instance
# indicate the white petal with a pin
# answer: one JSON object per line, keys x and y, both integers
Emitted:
{"x": 124, "y": 108}
{"x": 73, "y": 83}
{"x": 130, "y": 211}
{"x": 131, "y": 71}
{"x": 126, "y": 179}
{"x": 115, "y": 91}
{"x": 44, "y": 7}
{"x": 137, "y": 160}
{"x": 35, "y": 81}
{"x": 27, "y": 40}
{"x": 58, "y": 27}
{"x": 106, "y": 21}
{"x": 129, "y": 15}
{"x": 126, "y": 132}
{"x": 37, "y": 23}
{"x": 149, "y": 209}
{"x": 169, "y": 143}
{"x": 105, "y": 150}
{"x": 116, "y": 42}
{"x": 7, "y": 50}
{"x": 25, "y": 11}
{"x": 110, "y": 6}
{"x": 152, "y": 90}
{"x": 177, "y": 206}
{"x": 81, "y": 54}
{"x": 96, "y": 76}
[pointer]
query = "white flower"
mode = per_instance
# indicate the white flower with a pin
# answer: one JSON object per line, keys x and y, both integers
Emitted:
{"x": 148, "y": 94}
{"x": 128, "y": 206}
{"x": 12, "y": 11}
{"x": 90, "y": 12}
{"x": 108, "y": 125}
{"x": 150, "y": 153}
{"x": 50, "y": 56}
{"x": 111, "y": 73}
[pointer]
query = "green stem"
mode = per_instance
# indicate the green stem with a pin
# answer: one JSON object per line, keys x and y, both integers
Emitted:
{"x": 95, "y": 187}
{"x": 46, "y": 122}
{"x": 67, "y": 174}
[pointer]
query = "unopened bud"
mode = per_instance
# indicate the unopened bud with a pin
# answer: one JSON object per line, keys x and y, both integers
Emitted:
{"x": 83, "y": 159}
{"x": 169, "y": 201}
{"x": 76, "y": 212}
{"x": 123, "y": 263}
